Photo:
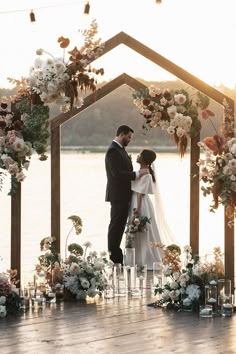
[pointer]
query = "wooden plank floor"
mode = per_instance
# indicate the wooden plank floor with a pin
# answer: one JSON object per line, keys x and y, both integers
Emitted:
{"x": 116, "y": 326}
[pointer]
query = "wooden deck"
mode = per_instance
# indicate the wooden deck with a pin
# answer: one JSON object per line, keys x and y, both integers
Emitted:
{"x": 122, "y": 325}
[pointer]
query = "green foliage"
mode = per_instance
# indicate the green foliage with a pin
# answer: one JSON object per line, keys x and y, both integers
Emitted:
{"x": 35, "y": 129}
{"x": 50, "y": 257}
{"x": 75, "y": 249}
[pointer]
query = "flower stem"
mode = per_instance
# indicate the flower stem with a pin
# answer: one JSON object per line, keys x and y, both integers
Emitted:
{"x": 67, "y": 241}
{"x": 213, "y": 126}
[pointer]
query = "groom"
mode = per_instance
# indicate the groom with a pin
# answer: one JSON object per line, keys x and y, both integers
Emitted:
{"x": 119, "y": 172}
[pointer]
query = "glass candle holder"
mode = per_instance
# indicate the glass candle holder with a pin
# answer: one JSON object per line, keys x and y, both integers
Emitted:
{"x": 129, "y": 275}
{"x": 211, "y": 296}
{"x": 157, "y": 274}
{"x": 140, "y": 280}
{"x": 119, "y": 280}
{"x": 226, "y": 309}
{"x": 129, "y": 257}
{"x": 224, "y": 291}
{"x": 205, "y": 311}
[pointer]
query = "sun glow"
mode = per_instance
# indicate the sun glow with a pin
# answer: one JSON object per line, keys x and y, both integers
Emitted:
{"x": 196, "y": 35}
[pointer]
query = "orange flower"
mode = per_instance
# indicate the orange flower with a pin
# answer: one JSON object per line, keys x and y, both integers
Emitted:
{"x": 215, "y": 143}
{"x": 64, "y": 42}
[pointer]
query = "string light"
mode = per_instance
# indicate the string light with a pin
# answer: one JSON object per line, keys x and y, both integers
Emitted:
{"x": 32, "y": 16}
{"x": 86, "y": 8}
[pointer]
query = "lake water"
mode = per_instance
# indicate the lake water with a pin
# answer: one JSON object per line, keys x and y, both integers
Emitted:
{"x": 83, "y": 182}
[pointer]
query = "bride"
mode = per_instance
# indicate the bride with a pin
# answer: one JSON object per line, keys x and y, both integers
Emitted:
{"x": 141, "y": 204}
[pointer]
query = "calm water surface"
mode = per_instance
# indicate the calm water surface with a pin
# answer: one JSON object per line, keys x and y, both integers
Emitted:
{"x": 83, "y": 182}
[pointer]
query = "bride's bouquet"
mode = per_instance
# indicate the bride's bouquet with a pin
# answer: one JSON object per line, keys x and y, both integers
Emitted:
{"x": 137, "y": 223}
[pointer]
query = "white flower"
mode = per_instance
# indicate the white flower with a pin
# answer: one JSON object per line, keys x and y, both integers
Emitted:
{"x": 136, "y": 221}
{"x": 233, "y": 149}
{"x": 197, "y": 270}
{"x": 39, "y": 51}
{"x": 2, "y": 300}
{"x": 174, "y": 294}
{"x": 84, "y": 283}
{"x": 3, "y": 277}
{"x": 193, "y": 291}
{"x": 3, "y": 311}
{"x": 187, "y": 249}
{"x": 20, "y": 176}
{"x": 180, "y": 98}
{"x": 167, "y": 270}
{"x": 183, "y": 279}
{"x": 18, "y": 144}
{"x": 87, "y": 244}
{"x": 74, "y": 267}
{"x": 174, "y": 285}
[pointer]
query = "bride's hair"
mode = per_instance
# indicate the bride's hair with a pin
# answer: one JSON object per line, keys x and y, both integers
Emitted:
{"x": 148, "y": 157}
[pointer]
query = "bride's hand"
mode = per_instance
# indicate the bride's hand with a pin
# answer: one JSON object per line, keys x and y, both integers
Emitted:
{"x": 136, "y": 211}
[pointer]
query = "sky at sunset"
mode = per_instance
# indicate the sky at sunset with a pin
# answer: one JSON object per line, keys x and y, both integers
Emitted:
{"x": 197, "y": 35}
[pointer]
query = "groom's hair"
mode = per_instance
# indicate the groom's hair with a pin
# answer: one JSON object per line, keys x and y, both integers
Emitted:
{"x": 124, "y": 129}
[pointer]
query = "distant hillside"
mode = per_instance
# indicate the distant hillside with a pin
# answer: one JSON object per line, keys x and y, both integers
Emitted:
{"x": 97, "y": 124}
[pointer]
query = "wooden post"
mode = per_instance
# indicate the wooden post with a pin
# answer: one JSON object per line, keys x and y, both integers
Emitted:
{"x": 55, "y": 186}
{"x": 16, "y": 232}
{"x": 194, "y": 194}
{"x": 229, "y": 252}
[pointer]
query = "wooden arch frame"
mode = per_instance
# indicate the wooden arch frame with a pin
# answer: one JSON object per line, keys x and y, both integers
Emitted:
{"x": 55, "y": 124}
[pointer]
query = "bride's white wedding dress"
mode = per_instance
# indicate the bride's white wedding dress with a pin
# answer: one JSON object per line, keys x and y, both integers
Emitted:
{"x": 157, "y": 230}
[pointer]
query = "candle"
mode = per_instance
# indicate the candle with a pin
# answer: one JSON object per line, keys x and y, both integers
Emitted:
{"x": 205, "y": 311}
{"x": 187, "y": 302}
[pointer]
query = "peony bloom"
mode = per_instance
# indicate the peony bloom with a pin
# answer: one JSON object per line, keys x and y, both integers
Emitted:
{"x": 18, "y": 144}
{"x": 180, "y": 98}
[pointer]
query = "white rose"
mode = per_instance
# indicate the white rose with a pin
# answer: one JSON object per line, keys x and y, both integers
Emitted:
{"x": 3, "y": 311}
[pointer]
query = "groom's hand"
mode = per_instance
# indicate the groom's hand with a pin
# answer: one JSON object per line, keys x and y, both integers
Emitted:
{"x": 143, "y": 171}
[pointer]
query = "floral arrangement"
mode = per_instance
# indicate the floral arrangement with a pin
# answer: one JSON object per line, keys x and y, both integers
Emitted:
{"x": 173, "y": 111}
{"x": 21, "y": 133}
{"x": 136, "y": 224}
{"x": 56, "y": 80}
{"x": 185, "y": 280}
{"x": 10, "y": 301}
{"x": 217, "y": 166}
{"x": 53, "y": 80}
{"x": 48, "y": 270}
{"x": 84, "y": 275}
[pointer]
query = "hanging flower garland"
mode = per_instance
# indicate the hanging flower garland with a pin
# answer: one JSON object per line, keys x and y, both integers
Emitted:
{"x": 217, "y": 166}
{"x": 53, "y": 80}
{"x": 172, "y": 111}
{"x": 20, "y": 136}
{"x": 57, "y": 80}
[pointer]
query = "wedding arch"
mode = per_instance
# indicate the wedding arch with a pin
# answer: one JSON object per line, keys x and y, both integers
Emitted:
{"x": 55, "y": 129}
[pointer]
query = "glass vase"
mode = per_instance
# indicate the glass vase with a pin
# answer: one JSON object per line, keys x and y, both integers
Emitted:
{"x": 129, "y": 276}
{"x": 157, "y": 274}
{"x": 129, "y": 257}
{"x": 140, "y": 279}
{"x": 119, "y": 280}
{"x": 225, "y": 297}
{"x": 211, "y": 296}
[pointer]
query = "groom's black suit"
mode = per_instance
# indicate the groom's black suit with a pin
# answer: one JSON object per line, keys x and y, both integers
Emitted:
{"x": 119, "y": 172}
